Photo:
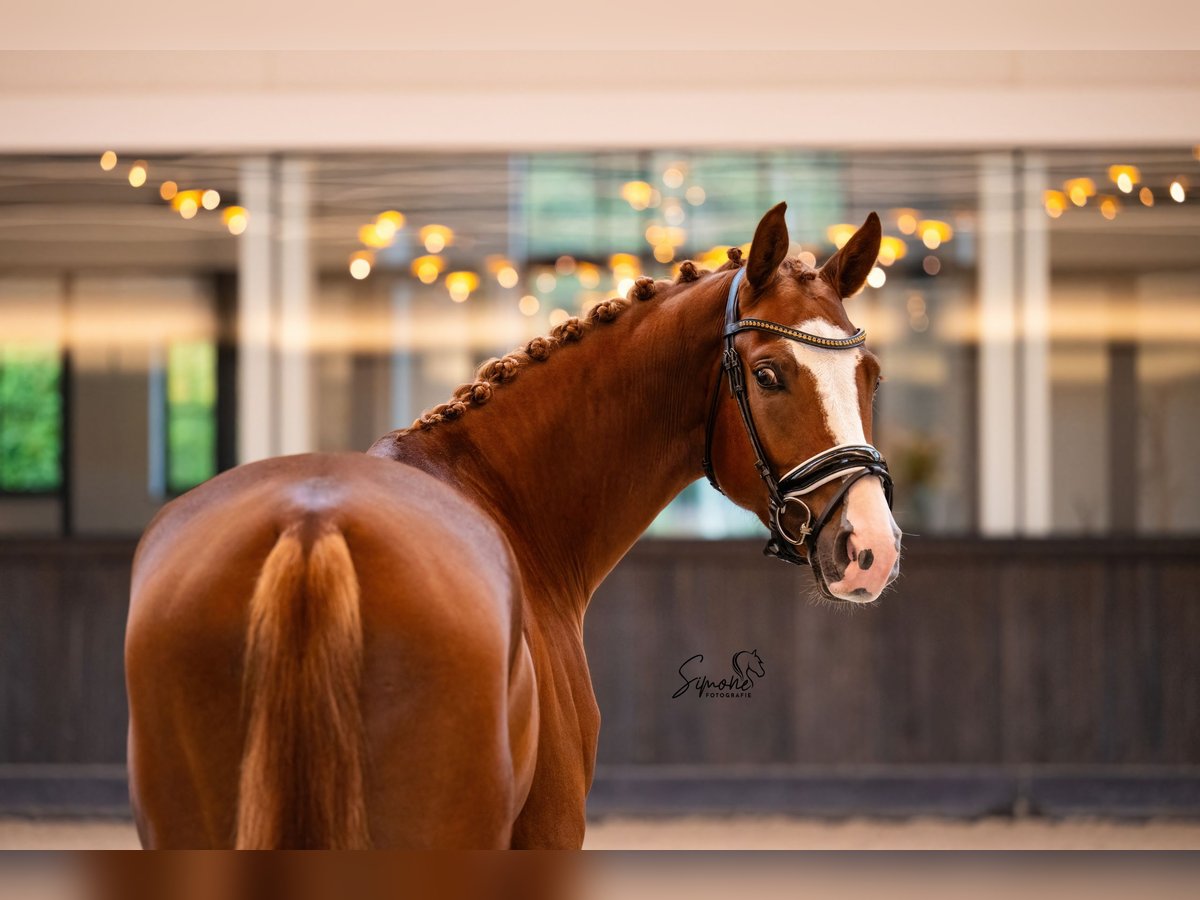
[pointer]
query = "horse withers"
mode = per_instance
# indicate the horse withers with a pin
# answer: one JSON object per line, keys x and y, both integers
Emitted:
{"x": 386, "y": 649}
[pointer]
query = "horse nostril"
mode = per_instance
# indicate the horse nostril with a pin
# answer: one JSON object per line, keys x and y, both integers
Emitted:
{"x": 866, "y": 559}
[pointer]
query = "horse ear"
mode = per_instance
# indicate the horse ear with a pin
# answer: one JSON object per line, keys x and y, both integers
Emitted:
{"x": 769, "y": 247}
{"x": 847, "y": 269}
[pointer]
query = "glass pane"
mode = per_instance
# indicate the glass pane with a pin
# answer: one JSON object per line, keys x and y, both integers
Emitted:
{"x": 191, "y": 414}
{"x": 1124, "y": 343}
{"x": 30, "y": 419}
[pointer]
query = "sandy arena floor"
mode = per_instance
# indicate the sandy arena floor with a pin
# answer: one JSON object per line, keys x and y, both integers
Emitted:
{"x": 746, "y": 833}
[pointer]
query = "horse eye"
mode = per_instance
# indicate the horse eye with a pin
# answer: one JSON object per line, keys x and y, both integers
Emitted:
{"x": 766, "y": 377}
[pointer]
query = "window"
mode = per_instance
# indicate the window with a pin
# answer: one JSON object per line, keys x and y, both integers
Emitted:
{"x": 30, "y": 419}
{"x": 191, "y": 414}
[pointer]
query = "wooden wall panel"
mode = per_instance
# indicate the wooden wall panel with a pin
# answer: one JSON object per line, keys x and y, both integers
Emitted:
{"x": 1074, "y": 653}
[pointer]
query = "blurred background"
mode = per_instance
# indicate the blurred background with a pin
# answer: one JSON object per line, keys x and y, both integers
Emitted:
{"x": 210, "y": 258}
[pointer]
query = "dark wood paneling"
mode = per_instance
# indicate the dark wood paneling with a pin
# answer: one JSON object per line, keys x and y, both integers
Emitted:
{"x": 62, "y": 624}
{"x": 1000, "y": 653}
{"x": 986, "y": 653}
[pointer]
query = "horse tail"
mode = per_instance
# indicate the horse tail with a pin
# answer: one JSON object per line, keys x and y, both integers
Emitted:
{"x": 303, "y": 766}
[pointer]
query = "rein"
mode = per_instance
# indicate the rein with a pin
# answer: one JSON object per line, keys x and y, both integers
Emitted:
{"x": 850, "y": 462}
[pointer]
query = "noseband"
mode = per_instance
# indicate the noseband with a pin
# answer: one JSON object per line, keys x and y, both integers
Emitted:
{"x": 850, "y": 462}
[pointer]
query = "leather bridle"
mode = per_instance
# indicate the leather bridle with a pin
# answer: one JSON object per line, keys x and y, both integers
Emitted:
{"x": 850, "y": 462}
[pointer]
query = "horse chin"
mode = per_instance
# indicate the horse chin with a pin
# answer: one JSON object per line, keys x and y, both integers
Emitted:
{"x": 829, "y": 567}
{"x": 818, "y": 570}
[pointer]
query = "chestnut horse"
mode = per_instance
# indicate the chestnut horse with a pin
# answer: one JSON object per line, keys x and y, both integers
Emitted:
{"x": 386, "y": 649}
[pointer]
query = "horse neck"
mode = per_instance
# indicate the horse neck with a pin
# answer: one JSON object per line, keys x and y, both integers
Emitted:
{"x": 578, "y": 454}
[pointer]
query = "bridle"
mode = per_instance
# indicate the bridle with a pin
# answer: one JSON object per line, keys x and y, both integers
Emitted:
{"x": 850, "y": 462}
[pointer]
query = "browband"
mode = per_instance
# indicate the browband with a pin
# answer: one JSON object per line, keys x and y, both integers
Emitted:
{"x": 855, "y": 340}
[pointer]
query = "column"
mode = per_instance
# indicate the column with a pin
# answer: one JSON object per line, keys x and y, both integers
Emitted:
{"x": 254, "y": 318}
{"x": 296, "y": 281}
{"x": 1036, "y": 436}
{"x": 998, "y": 424}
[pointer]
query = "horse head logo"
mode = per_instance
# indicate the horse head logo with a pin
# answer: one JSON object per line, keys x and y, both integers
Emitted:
{"x": 750, "y": 665}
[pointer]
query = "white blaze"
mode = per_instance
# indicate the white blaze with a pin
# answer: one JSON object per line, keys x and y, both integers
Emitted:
{"x": 836, "y": 375}
{"x": 835, "y": 372}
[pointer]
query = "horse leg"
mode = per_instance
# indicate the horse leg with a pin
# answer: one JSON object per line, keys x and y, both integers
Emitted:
{"x": 450, "y": 715}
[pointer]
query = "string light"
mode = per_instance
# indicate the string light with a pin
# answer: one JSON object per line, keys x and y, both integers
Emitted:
{"x": 186, "y": 203}
{"x": 1146, "y": 196}
{"x": 108, "y": 160}
{"x": 695, "y": 195}
{"x": 507, "y": 277}
{"x": 1124, "y": 177}
{"x": 931, "y": 265}
{"x": 210, "y": 199}
{"x": 839, "y": 234}
{"x": 546, "y": 282}
{"x": 360, "y": 264}
{"x": 637, "y": 194}
{"x": 1055, "y": 203}
{"x": 558, "y": 316}
{"x": 427, "y": 268}
{"x": 673, "y": 177}
{"x": 1109, "y": 207}
{"x": 235, "y": 218}
{"x": 138, "y": 173}
{"x": 1079, "y": 189}
{"x": 387, "y": 223}
{"x": 461, "y": 284}
{"x": 906, "y": 220}
{"x": 589, "y": 276}
{"x": 713, "y": 258}
{"x": 890, "y": 250}
{"x": 370, "y": 236}
{"x": 624, "y": 265}
{"x": 670, "y": 235}
{"x": 934, "y": 232}
{"x": 565, "y": 265}
{"x": 168, "y": 189}
{"x": 1178, "y": 190}
{"x": 528, "y": 305}
{"x": 876, "y": 277}
{"x": 436, "y": 238}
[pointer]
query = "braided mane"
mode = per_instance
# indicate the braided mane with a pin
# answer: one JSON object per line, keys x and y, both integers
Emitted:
{"x": 500, "y": 371}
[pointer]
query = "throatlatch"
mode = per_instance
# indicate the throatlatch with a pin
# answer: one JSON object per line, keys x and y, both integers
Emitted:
{"x": 850, "y": 462}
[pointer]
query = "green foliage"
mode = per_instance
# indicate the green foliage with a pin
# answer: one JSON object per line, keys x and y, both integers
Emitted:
{"x": 30, "y": 419}
{"x": 191, "y": 414}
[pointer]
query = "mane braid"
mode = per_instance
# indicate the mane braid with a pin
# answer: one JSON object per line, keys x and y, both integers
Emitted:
{"x": 500, "y": 371}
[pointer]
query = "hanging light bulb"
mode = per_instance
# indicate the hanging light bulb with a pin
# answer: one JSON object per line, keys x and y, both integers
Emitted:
{"x": 360, "y": 264}
{"x": 138, "y": 173}
{"x": 461, "y": 284}
{"x": 1124, "y": 177}
{"x": 236, "y": 219}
